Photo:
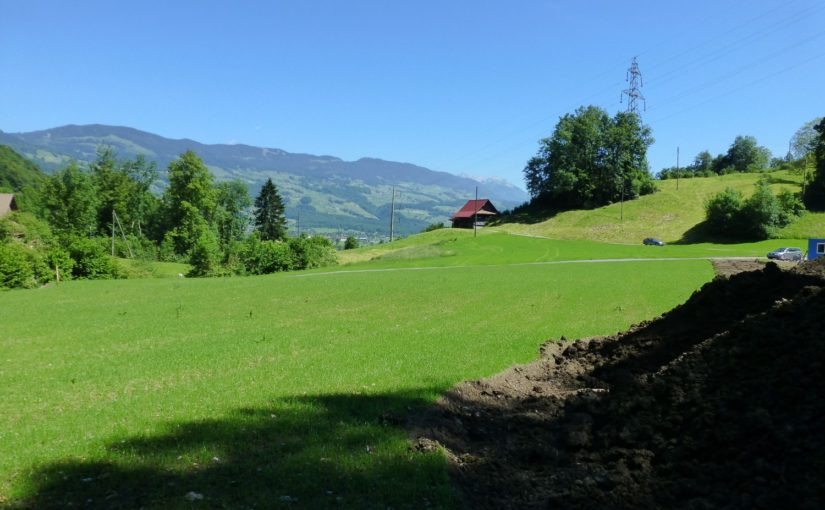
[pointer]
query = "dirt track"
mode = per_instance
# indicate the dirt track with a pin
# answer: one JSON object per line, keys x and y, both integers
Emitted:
{"x": 717, "y": 404}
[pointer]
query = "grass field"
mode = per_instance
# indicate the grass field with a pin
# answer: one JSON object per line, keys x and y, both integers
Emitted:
{"x": 282, "y": 391}
{"x": 669, "y": 214}
{"x": 452, "y": 247}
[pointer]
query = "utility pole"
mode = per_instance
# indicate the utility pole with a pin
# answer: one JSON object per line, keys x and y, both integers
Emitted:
{"x": 392, "y": 215}
{"x": 113, "y": 232}
{"x": 633, "y": 92}
{"x": 475, "y": 216}
{"x": 115, "y": 219}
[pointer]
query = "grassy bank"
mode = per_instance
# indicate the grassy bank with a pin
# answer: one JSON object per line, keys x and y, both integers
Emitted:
{"x": 670, "y": 214}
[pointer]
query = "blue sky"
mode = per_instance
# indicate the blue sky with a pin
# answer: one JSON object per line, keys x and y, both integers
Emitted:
{"x": 467, "y": 87}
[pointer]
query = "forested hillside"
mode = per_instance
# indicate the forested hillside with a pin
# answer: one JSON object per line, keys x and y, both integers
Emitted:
{"x": 323, "y": 193}
{"x": 16, "y": 172}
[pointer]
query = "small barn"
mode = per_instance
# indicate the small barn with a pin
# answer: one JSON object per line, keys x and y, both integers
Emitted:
{"x": 816, "y": 248}
{"x": 7, "y": 203}
{"x": 480, "y": 211}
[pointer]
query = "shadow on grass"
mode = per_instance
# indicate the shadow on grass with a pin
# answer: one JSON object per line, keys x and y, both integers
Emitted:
{"x": 700, "y": 233}
{"x": 529, "y": 216}
{"x": 325, "y": 451}
{"x": 773, "y": 179}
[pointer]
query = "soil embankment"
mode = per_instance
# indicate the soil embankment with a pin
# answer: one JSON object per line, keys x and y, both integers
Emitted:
{"x": 716, "y": 404}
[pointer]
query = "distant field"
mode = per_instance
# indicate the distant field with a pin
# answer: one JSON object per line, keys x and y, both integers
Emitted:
{"x": 667, "y": 214}
{"x": 285, "y": 390}
{"x": 450, "y": 247}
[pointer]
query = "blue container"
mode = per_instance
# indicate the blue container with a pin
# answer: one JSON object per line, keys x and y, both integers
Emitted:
{"x": 816, "y": 248}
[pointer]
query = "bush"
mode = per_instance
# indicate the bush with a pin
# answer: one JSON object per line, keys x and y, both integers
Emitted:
{"x": 264, "y": 257}
{"x": 136, "y": 247}
{"x": 205, "y": 257}
{"x": 722, "y": 210}
{"x": 57, "y": 257}
{"x": 310, "y": 252}
{"x": 758, "y": 217}
{"x": 434, "y": 226}
{"x": 25, "y": 227}
{"x": 351, "y": 243}
{"x": 90, "y": 259}
{"x": 15, "y": 267}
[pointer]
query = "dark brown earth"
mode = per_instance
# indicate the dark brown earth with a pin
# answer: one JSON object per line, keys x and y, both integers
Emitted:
{"x": 717, "y": 404}
{"x": 730, "y": 267}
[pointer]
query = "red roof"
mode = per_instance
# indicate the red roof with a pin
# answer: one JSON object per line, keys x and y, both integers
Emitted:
{"x": 482, "y": 206}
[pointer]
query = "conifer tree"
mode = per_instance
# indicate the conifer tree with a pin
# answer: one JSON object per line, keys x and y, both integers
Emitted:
{"x": 269, "y": 213}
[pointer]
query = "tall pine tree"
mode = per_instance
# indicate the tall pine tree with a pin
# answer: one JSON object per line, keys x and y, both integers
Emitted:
{"x": 269, "y": 213}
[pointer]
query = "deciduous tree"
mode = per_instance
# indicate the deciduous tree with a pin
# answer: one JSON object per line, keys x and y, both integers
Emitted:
{"x": 805, "y": 138}
{"x": 744, "y": 155}
{"x": 232, "y": 215}
{"x": 70, "y": 202}
{"x": 591, "y": 160}
{"x": 189, "y": 202}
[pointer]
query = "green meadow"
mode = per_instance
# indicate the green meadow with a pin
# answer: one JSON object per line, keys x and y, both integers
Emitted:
{"x": 671, "y": 214}
{"x": 289, "y": 390}
{"x": 456, "y": 247}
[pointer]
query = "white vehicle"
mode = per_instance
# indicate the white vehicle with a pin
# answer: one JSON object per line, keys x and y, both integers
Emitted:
{"x": 786, "y": 254}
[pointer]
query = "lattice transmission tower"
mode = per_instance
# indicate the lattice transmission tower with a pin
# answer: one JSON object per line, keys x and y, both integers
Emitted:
{"x": 633, "y": 92}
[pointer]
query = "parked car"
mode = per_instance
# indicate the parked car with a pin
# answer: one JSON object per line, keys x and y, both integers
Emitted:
{"x": 786, "y": 254}
{"x": 652, "y": 241}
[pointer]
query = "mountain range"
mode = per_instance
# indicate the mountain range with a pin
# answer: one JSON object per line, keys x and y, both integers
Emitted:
{"x": 322, "y": 193}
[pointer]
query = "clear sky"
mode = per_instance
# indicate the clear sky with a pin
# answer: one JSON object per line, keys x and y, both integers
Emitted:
{"x": 467, "y": 87}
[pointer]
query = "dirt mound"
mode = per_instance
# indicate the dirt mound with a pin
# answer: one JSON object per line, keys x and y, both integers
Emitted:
{"x": 717, "y": 404}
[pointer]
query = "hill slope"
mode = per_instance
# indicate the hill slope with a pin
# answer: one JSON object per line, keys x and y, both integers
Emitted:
{"x": 670, "y": 214}
{"x": 16, "y": 172}
{"x": 324, "y": 191}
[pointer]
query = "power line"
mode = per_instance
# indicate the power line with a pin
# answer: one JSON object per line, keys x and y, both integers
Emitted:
{"x": 744, "y": 86}
{"x": 736, "y": 72}
{"x": 702, "y": 59}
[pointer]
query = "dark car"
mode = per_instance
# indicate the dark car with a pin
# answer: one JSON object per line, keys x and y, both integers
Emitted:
{"x": 652, "y": 241}
{"x": 786, "y": 254}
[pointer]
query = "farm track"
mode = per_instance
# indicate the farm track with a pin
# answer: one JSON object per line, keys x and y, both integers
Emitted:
{"x": 713, "y": 405}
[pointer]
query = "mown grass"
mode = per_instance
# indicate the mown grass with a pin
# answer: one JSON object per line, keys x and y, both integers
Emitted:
{"x": 669, "y": 214}
{"x": 451, "y": 247}
{"x": 284, "y": 390}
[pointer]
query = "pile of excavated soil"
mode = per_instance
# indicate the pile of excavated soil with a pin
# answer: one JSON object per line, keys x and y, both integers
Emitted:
{"x": 716, "y": 404}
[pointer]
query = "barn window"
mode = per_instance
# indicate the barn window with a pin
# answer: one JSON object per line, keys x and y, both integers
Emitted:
{"x": 820, "y": 248}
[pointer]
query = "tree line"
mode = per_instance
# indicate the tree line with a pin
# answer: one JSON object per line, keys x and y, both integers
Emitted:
{"x": 79, "y": 216}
